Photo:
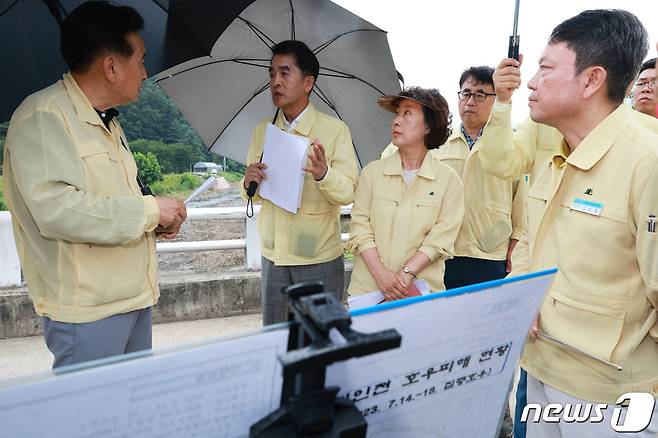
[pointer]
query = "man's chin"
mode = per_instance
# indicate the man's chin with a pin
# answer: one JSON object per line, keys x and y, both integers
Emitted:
{"x": 537, "y": 116}
{"x": 648, "y": 108}
{"x": 278, "y": 101}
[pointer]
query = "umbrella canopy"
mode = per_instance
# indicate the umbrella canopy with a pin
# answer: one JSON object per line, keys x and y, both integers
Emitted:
{"x": 225, "y": 95}
{"x": 175, "y": 31}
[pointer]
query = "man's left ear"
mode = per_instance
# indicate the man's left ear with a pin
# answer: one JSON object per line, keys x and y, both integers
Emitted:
{"x": 309, "y": 81}
{"x": 110, "y": 68}
{"x": 596, "y": 79}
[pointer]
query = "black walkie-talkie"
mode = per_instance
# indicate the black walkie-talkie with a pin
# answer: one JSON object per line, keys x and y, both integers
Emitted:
{"x": 253, "y": 186}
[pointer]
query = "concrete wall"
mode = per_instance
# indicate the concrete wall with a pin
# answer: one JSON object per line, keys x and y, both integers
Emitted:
{"x": 182, "y": 298}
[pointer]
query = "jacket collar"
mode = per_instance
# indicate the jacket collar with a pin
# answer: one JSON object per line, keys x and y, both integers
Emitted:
{"x": 81, "y": 103}
{"x": 457, "y": 134}
{"x": 305, "y": 124}
{"x": 561, "y": 155}
{"x": 393, "y": 166}
{"x": 595, "y": 145}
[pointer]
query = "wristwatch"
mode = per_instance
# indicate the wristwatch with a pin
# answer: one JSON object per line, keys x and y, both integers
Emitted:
{"x": 407, "y": 270}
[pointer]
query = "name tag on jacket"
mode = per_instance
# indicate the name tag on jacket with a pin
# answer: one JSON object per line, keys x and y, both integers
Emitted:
{"x": 585, "y": 206}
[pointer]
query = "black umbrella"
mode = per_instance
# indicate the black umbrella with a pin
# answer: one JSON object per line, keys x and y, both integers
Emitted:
{"x": 226, "y": 94}
{"x": 175, "y": 31}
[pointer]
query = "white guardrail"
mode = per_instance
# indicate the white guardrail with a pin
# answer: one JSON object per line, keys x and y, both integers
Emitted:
{"x": 10, "y": 269}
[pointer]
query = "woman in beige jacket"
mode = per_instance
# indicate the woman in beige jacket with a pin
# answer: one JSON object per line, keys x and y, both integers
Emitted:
{"x": 408, "y": 207}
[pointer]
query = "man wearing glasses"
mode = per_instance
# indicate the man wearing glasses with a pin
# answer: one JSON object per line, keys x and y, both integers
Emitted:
{"x": 644, "y": 89}
{"x": 493, "y": 219}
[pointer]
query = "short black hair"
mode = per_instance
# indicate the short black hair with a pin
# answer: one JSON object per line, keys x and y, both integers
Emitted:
{"x": 482, "y": 75}
{"x": 611, "y": 38}
{"x": 306, "y": 59}
{"x": 646, "y": 65}
{"x": 95, "y": 28}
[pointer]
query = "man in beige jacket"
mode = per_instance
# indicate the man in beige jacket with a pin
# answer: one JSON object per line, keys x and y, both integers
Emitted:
{"x": 591, "y": 212}
{"x": 85, "y": 231}
{"x": 306, "y": 246}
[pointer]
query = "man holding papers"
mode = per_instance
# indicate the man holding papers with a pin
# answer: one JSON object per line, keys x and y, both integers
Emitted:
{"x": 306, "y": 245}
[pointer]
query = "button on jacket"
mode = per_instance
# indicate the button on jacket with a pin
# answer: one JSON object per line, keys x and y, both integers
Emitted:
{"x": 494, "y": 208}
{"x": 508, "y": 154}
{"x": 83, "y": 230}
{"x": 399, "y": 220}
{"x": 588, "y": 215}
{"x": 313, "y": 234}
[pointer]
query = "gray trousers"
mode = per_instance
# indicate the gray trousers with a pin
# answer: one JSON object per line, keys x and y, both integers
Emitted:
{"x": 274, "y": 278}
{"x": 73, "y": 343}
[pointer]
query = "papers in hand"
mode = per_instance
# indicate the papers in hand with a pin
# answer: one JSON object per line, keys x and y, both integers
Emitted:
{"x": 419, "y": 287}
{"x": 285, "y": 156}
{"x": 202, "y": 188}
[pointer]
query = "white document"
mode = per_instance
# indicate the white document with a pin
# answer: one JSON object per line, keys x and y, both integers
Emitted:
{"x": 377, "y": 297}
{"x": 202, "y": 188}
{"x": 214, "y": 390}
{"x": 451, "y": 375}
{"x": 285, "y": 156}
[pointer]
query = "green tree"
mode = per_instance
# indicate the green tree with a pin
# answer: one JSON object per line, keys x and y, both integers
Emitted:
{"x": 173, "y": 158}
{"x": 3, "y": 135}
{"x": 3, "y": 204}
{"x": 155, "y": 117}
{"x": 148, "y": 166}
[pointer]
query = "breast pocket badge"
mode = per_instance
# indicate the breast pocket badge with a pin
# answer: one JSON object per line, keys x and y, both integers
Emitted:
{"x": 585, "y": 206}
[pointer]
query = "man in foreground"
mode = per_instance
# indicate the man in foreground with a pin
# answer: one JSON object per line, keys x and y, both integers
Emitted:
{"x": 84, "y": 230}
{"x": 589, "y": 214}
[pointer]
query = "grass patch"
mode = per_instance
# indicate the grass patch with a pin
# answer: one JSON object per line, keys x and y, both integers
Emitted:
{"x": 232, "y": 176}
{"x": 179, "y": 185}
{"x": 3, "y": 204}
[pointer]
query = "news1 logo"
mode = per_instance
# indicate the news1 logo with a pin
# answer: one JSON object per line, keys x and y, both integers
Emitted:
{"x": 638, "y": 406}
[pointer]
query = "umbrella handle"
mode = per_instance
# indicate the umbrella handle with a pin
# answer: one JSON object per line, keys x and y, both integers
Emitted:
{"x": 513, "y": 49}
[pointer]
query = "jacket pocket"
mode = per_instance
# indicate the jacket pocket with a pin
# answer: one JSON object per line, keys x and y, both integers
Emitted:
{"x": 314, "y": 229}
{"x": 491, "y": 226}
{"x": 103, "y": 169}
{"x": 589, "y": 327}
{"x": 110, "y": 274}
{"x": 427, "y": 212}
{"x": 383, "y": 211}
{"x": 266, "y": 225}
{"x": 498, "y": 234}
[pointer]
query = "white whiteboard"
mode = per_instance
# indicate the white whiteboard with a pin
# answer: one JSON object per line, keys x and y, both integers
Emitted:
{"x": 215, "y": 390}
{"x": 452, "y": 373}
{"x": 449, "y": 378}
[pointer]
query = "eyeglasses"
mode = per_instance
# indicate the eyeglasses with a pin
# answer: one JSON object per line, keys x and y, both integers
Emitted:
{"x": 641, "y": 84}
{"x": 478, "y": 96}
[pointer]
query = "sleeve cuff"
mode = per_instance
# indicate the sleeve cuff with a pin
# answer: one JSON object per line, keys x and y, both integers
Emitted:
{"x": 243, "y": 192}
{"x": 366, "y": 245}
{"x": 516, "y": 234}
{"x": 323, "y": 182}
{"x": 430, "y": 252}
{"x": 499, "y": 106}
{"x": 152, "y": 212}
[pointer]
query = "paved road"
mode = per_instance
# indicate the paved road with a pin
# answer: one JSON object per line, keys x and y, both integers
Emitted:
{"x": 29, "y": 355}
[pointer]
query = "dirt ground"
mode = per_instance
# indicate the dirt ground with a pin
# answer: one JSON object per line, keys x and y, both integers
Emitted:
{"x": 201, "y": 262}
{"x": 208, "y": 261}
